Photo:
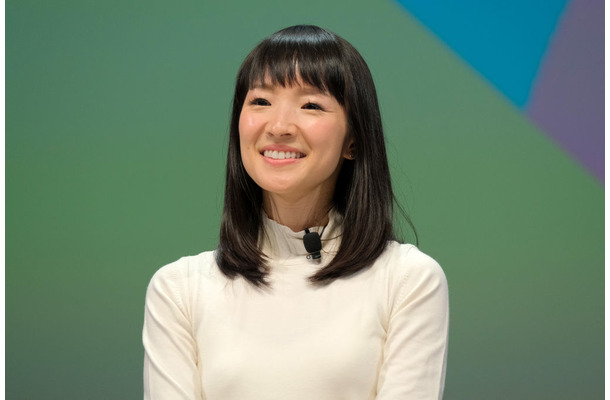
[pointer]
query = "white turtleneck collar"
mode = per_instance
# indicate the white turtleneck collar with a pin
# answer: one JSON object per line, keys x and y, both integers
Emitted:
{"x": 279, "y": 242}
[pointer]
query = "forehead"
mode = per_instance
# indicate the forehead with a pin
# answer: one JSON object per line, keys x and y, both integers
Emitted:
{"x": 298, "y": 84}
{"x": 285, "y": 74}
{"x": 274, "y": 73}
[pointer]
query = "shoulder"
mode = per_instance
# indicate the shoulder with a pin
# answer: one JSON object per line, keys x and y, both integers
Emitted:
{"x": 408, "y": 260}
{"x": 185, "y": 267}
{"x": 408, "y": 268}
{"x": 180, "y": 277}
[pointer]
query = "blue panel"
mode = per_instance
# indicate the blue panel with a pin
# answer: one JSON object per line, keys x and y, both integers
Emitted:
{"x": 504, "y": 41}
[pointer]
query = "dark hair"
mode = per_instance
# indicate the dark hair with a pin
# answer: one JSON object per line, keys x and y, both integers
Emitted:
{"x": 363, "y": 195}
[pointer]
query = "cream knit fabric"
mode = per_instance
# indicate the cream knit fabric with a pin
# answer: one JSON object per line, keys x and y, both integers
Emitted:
{"x": 379, "y": 334}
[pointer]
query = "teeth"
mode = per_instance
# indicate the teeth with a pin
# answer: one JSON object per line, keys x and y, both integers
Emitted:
{"x": 281, "y": 155}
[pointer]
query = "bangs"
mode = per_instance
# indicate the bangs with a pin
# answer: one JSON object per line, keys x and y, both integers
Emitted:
{"x": 290, "y": 59}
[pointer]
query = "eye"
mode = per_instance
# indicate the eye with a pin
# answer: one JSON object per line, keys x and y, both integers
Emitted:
{"x": 259, "y": 101}
{"x": 312, "y": 106}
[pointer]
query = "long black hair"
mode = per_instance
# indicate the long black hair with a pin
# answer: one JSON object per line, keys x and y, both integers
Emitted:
{"x": 363, "y": 195}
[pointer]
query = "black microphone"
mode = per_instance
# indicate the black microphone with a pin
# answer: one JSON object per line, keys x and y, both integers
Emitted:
{"x": 313, "y": 244}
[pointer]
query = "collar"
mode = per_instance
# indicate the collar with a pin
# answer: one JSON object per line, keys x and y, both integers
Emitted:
{"x": 280, "y": 242}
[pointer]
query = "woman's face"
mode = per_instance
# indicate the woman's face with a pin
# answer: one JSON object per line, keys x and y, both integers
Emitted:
{"x": 293, "y": 140}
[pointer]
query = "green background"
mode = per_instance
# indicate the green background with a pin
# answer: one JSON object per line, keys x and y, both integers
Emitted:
{"x": 116, "y": 131}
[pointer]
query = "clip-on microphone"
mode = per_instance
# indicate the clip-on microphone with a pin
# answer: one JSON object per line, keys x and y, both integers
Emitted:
{"x": 313, "y": 243}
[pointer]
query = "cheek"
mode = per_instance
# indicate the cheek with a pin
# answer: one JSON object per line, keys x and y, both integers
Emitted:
{"x": 249, "y": 132}
{"x": 247, "y": 140}
{"x": 245, "y": 129}
{"x": 250, "y": 128}
{"x": 330, "y": 136}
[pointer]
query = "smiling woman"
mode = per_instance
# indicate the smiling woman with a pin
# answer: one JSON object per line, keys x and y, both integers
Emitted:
{"x": 308, "y": 295}
{"x": 293, "y": 140}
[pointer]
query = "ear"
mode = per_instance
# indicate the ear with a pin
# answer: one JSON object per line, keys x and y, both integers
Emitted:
{"x": 350, "y": 150}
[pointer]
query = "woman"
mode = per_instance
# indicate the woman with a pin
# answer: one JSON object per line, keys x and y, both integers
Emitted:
{"x": 307, "y": 295}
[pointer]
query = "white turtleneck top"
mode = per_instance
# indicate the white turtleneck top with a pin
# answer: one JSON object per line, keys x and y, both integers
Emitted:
{"x": 378, "y": 334}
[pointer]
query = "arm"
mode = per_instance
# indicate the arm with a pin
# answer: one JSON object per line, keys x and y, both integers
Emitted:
{"x": 415, "y": 351}
{"x": 170, "y": 359}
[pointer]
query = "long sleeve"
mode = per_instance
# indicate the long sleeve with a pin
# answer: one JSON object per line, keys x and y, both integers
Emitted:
{"x": 170, "y": 360}
{"x": 415, "y": 352}
{"x": 377, "y": 335}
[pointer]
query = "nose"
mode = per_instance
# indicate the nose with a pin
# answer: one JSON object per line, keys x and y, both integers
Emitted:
{"x": 282, "y": 121}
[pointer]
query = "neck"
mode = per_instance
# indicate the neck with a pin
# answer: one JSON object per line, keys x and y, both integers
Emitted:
{"x": 297, "y": 214}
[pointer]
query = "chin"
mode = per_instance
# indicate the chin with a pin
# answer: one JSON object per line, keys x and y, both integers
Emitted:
{"x": 276, "y": 183}
{"x": 280, "y": 190}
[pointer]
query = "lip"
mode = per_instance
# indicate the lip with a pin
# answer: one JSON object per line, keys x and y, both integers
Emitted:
{"x": 278, "y": 148}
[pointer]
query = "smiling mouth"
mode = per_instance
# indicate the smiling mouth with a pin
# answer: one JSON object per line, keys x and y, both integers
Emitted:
{"x": 282, "y": 155}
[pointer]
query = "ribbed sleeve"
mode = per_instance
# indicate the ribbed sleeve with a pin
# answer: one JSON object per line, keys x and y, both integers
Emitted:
{"x": 415, "y": 351}
{"x": 170, "y": 358}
